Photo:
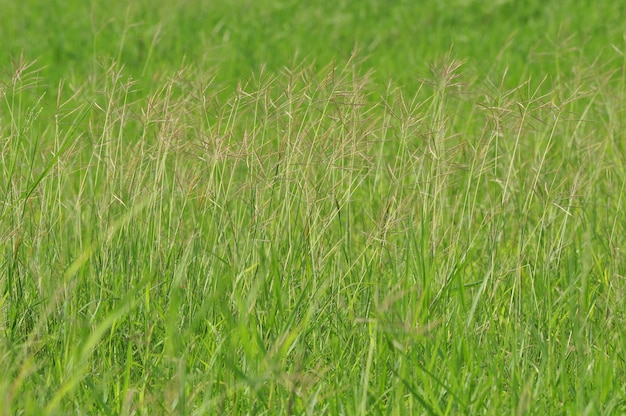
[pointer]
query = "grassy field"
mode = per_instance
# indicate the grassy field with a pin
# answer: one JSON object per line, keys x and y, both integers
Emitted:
{"x": 285, "y": 207}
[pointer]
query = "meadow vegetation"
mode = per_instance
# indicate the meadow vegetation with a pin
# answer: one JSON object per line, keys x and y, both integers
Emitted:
{"x": 230, "y": 209}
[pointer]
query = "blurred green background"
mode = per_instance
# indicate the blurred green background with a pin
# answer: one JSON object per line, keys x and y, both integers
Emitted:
{"x": 398, "y": 39}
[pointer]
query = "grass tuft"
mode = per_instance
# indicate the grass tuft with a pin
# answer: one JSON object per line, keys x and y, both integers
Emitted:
{"x": 310, "y": 239}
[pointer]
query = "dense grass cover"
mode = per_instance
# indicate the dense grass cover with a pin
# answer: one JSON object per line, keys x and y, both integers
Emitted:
{"x": 223, "y": 209}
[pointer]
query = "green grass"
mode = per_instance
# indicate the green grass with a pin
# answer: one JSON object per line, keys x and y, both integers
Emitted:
{"x": 221, "y": 209}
